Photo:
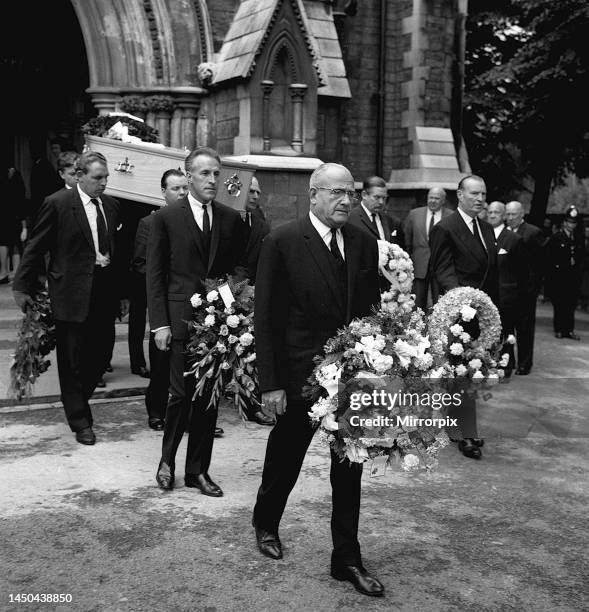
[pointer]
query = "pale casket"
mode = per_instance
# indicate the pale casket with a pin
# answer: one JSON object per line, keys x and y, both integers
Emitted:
{"x": 136, "y": 171}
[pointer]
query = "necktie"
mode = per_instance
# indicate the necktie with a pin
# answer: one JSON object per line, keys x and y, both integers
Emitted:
{"x": 373, "y": 221}
{"x": 477, "y": 235}
{"x": 101, "y": 227}
{"x": 248, "y": 219}
{"x": 431, "y": 224}
{"x": 247, "y": 222}
{"x": 334, "y": 248}
{"x": 206, "y": 227}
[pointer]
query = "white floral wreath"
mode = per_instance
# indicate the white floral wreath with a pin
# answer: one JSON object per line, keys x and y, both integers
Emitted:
{"x": 464, "y": 303}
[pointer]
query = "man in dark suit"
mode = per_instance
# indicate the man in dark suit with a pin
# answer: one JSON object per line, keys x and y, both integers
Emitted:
{"x": 525, "y": 323}
{"x": 418, "y": 226}
{"x": 77, "y": 228}
{"x": 511, "y": 274}
{"x": 315, "y": 275}
{"x": 194, "y": 239}
{"x": 463, "y": 255}
{"x": 255, "y": 230}
{"x": 370, "y": 214}
{"x": 174, "y": 186}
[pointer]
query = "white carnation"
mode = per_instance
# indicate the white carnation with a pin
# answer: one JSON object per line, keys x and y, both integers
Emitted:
{"x": 209, "y": 320}
{"x": 246, "y": 339}
{"x": 233, "y": 320}
{"x": 212, "y": 296}
{"x": 196, "y": 300}
{"x": 468, "y": 313}
{"x": 475, "y": 364}
{"x": 456, "y": 348}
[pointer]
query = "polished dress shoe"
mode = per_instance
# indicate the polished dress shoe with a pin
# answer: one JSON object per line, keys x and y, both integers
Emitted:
{"x": 361, "y": 580}
{"x": 165, "y": 476}
{"x": 572, "y": 336}
{"x": 101, "y": 384}
{"x": 522, "y": 371}
{"x": 219, "y": 432}
{"x": 204, "y": 484}
{"x": 469, "y": 448}
{"x": 141, "y": 371}
{"x": 478, "y": 442}
{"x": 260, "y": 418}
{"x": 86, "y": 436}
{"x": 154, "y": 423}
{"x": 268, "y": 542}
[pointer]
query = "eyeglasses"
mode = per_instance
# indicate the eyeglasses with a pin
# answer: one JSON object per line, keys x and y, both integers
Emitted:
{"x": 338, "y": 193}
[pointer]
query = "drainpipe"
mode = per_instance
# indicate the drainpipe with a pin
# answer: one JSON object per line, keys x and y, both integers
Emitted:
{"x": 381, "y": 90}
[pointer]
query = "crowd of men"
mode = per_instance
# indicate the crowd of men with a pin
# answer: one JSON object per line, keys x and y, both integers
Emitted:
{"x": 308, "y": 286}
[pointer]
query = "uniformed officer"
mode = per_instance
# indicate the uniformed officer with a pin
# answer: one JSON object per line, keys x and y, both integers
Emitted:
{"x": 564, "y": 258}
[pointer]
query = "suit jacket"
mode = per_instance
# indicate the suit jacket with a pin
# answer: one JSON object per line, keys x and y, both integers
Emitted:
{"x": 456, "y": 260}
{"x": 511, "y": 270}
{"x": 258, "y": 231}
{"x": 62, "y": 229}
{"x": 139, "y": 261}
{"x": 393, "y": 230}
{"x": 177, "y": 264}
{"x": 416, "y": 239}
{"x": 298, "y": 303}
{"x": 533, "y": 241}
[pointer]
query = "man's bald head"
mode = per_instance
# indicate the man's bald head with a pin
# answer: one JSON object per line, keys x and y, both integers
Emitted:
{"x": 496, "y": 213}
{"x": 514, "y": 214}
{"x": 331, "y": 192}
{"x": 436, "y": 197}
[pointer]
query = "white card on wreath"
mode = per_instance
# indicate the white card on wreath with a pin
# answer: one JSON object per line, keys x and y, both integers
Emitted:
{"x": 226, "y": 294}
{"x": 379, "y": 466}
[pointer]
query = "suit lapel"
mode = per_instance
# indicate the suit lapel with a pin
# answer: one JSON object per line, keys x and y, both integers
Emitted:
{"x": 81, "y": 217}
{"x": 320, "y": 254}
{"x": 468, "y": 239}
{"x": 215, "y": 232}
{"x": 367, "y": 223}
{"x": 421, "y": 224}
{"x": 352, "y": 262}
{"x": 193, "y": 227}
{"x": 386, "y": 228}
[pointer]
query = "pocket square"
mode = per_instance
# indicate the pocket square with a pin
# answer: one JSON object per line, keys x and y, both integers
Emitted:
{"x": 394, "y": 233}
{"x": 502, "y": 252}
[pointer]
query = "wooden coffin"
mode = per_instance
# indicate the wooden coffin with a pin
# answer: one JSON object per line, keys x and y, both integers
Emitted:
{"x": 136, "y": 171}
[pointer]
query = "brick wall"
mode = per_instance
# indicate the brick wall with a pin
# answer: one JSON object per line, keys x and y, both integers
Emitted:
{"x": 285, "y": 195}
{"x": 227, "y": 120}
{"x": 360, "y": 46}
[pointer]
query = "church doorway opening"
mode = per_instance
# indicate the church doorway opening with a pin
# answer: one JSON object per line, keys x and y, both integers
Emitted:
{"x": 44, "y": 68}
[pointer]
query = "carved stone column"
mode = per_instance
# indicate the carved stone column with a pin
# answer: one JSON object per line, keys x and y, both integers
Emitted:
{"x": 105, "y": 102}
{"x": 267, "y": 87}
{"x": 297, "y": 94}
{"x": 189, "y": 106}
{"x": 176, "y": 129}
{"x": 150, "y": 118}
{"x": 162, "y": 123}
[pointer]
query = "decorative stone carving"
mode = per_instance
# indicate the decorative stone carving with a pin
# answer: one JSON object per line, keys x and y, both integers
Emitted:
{"x": 267, "y": 87}
{"x": 297, "y": 93}
{"x": 205, "y": 72}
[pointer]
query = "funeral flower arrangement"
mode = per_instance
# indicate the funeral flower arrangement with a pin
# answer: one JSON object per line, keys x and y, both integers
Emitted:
{"x": 221, "y": 348}
{"x": 121, "y": 126}
{"x": 36, "y": 339}
{"x": 384, "y": 382}
{"x": 465, "y": 330}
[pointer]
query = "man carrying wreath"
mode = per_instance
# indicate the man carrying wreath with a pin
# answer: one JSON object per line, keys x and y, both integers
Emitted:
{"x": 315, "y": 275}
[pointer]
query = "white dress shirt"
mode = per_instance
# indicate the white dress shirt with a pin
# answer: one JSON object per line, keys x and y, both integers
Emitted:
{"x": 377, "y": 220}
{"x": 469, "y": 223}
{"x": 198, "y": 211}
{"x": 498, "y": 230}
{"x": 91, "y": 212}
{"x": 437, "y": 218}
{"x": 325, "y": 232}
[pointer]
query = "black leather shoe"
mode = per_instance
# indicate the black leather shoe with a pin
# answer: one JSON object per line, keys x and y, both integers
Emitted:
{"x": 522, "y": 371}
{"x": 219, "y": 432}
{"x": 268, "y": 542}
{"x": 572, "y": 336}
{"x": 157, "y": 424}
{"x": 469, "y": 449}
{"x": 361, "y": 580}
{"x": 142, "y": 371}
{"x": 101, "y": 384}
{"x": 260, "y": 418}
{"x": 204, "y": 484}
{"x": 108, "y": 368}
{"x": 86, "y": 436}
{"x": 165, "y": 476}
{"x": 478, "y": 442}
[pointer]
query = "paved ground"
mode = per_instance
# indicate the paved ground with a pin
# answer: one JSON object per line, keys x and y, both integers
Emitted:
{"x": 506, "y": 533}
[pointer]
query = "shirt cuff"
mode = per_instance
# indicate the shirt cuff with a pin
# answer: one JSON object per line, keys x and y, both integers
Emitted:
{"x": 159, "y": 328}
